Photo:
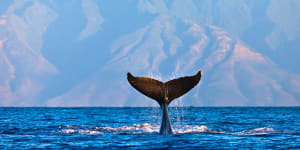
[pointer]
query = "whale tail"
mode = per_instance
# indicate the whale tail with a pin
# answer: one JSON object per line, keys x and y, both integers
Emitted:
{"x": 164, "y": 93}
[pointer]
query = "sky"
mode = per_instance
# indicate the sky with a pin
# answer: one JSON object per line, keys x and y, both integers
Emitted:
{"x": 77, "y": 53}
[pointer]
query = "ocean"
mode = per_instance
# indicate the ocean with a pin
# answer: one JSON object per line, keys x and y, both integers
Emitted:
{"x": 138, "y": 128}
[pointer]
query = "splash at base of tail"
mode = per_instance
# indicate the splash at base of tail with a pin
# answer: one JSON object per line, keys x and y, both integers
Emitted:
{"x": 164, "y": 93}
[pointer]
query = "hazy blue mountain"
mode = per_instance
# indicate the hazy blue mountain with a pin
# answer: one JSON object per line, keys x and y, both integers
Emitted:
{"x": 77, "y": 53}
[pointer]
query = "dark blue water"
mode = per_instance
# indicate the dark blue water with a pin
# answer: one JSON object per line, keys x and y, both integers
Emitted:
{"x": 137, "y": 128}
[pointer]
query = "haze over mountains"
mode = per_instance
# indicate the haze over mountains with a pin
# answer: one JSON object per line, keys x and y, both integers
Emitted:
{"x": 77, "y": 53}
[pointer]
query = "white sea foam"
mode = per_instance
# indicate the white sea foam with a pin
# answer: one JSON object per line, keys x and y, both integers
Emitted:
{"x": 81, "y": 131}
{"x": 191, "y": 129}
{"x": 134, "y": 129}
{"x": 68, "y": 131}
{"x": 257, "y": 131}
{"x": 148, "y": 128}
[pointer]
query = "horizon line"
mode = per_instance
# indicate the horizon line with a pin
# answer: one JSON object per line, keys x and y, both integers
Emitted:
{"x": 128, "y": 106}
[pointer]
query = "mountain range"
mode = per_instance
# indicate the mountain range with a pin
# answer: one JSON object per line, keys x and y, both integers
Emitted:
{"x": 77, "y": 53}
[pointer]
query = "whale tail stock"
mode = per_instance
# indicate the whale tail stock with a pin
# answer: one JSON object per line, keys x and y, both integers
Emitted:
{"x": 164, "y": 93}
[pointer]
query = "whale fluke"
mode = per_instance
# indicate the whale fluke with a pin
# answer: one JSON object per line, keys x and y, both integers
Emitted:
{"x": 164, "y": 93}
{"x": 148, "y": 86}
{"x": 178, "y": 87}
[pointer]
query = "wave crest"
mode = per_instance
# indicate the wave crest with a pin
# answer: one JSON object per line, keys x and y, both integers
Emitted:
{"x": 257, "y": 131}
{"x": 148, "y": 128}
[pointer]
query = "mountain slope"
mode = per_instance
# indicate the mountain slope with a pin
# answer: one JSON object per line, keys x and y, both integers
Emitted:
{"x": 24, "y": 71}
{"x": 67, "y": 53}
{"x": 233, "y": 75}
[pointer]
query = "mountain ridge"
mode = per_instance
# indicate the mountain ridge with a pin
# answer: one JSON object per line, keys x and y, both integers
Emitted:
{"x": 78, "y": 53}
